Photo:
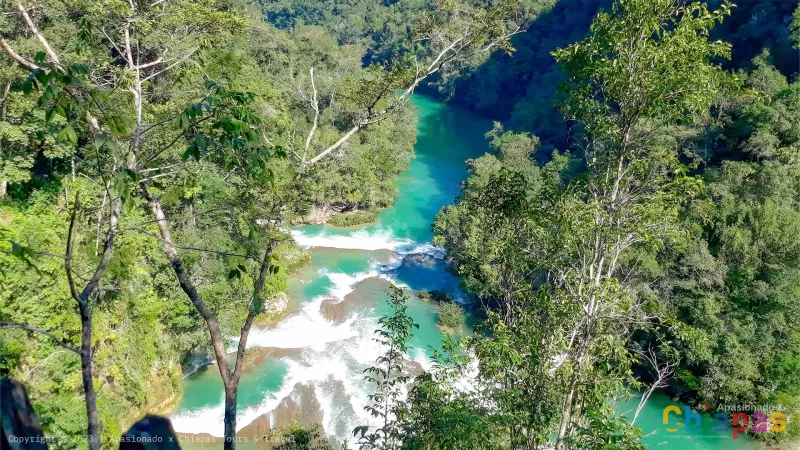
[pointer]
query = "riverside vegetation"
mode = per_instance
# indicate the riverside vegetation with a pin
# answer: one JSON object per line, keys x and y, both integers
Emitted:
{"x": 153, "y": 151}
{"x": 167, "y": 143}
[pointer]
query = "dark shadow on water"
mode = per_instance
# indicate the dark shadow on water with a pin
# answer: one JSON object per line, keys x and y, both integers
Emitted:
{"x": 422, "y": 272}
{"x": 520, "y": 88}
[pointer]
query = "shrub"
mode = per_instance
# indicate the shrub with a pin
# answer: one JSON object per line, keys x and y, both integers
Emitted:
{"x": 350, "y": 219}
{"x": 435, "y": 295}
{"x": 450, "y": 315}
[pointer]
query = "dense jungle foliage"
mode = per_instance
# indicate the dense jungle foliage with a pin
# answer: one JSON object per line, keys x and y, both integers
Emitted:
{"x": 151, "y": 154}
{"x": 635, "y": 224}
{"x": 713, "y": 277}
{"x": 520, "y": 89}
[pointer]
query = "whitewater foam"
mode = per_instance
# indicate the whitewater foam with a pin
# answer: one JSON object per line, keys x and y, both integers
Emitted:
{"x": 358, "y": 240}
{"x": 343, "y": 283}
{"x": 421, "y": 249}
{"x": 333, "y": 356}
{"x": 336, "y": 362}
{"x": 366, "y": 240}
{"x": 309, "y": 328}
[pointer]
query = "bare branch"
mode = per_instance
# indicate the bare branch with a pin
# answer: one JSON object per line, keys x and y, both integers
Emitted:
{"x": 469, "y": 37}
{"x": 150, "y": 64}
{"x": 7, "y": 325}
{"x": 663, "y": 372}
{"x": 16, "y": 56}
{"x": 39, "y": 36}
{"x": 128, "y": 52}
{"x": 105, "y": 256}
{"x": 160, "y": 175}
{"x": 335, "y": 145}
{"x": 315, "y": 106}
{"x": 114, "y": 44}
{"x": 49, "y": 50}
{"x": 179, "y": 61}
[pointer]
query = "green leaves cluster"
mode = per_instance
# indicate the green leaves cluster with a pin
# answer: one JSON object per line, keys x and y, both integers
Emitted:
{"x": 668, "y": 77}
{"x": 388, "y": 375}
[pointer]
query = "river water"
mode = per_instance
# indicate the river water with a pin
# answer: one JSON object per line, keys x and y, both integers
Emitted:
{"x": 324, "y": 345}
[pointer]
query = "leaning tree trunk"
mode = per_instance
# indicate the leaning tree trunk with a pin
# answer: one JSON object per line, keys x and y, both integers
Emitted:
{"x": 566, "y": 413}
{"x": 93, "y": 426}
{"x": 230, "y": 377}
{"x": 232, "y": 385}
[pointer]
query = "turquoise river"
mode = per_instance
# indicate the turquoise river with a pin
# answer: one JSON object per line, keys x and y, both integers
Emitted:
{"x": 319, "y": 351}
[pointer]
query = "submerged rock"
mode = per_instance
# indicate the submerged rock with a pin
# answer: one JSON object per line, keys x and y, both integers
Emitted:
{"x": 255, "y": 356}
{"x": 323, "y": 213}
{"x": 300, "y": 408}
{"x": 333, "y": 310}
{"x": 364, "y": 293}
{"x": 421, "y": 259}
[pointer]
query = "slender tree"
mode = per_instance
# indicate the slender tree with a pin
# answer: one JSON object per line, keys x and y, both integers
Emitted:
{"x": 388, "y": 376}
{"x": 644, "y": 66}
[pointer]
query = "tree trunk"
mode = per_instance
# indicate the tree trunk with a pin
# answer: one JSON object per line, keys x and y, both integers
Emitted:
{"x": 4, "y": 183}
{"x": 230, "y": 378}
{"x": 93, "y": 427}
{"x": 85, "y": 309}
{"x": 566, "y": 412}
{"x": 232, "y": 387}
{"x": 569, "y": 399}
{"x": 217, "y": 341}
{"x": 230, "y": 415}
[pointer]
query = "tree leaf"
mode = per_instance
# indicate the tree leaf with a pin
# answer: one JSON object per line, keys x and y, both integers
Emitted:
{"x": 73, "y": 137}
{"x": 253, "y": 234}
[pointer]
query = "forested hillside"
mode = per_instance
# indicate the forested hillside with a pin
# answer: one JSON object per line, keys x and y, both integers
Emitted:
{"x": 522, "y": 89}
{"x": 733, "y": 282}
{"x": 152, "y": 155}
{"x": 712, "y": 281}
{"x": 634, "y": 226}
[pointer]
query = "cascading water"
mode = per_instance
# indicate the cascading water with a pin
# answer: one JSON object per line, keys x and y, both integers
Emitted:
{"x": 341, "y": 294}
{"x": 318, "y": 353}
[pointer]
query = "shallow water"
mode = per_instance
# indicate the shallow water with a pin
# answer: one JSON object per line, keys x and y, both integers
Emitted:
{"x": 355, "y": 266}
